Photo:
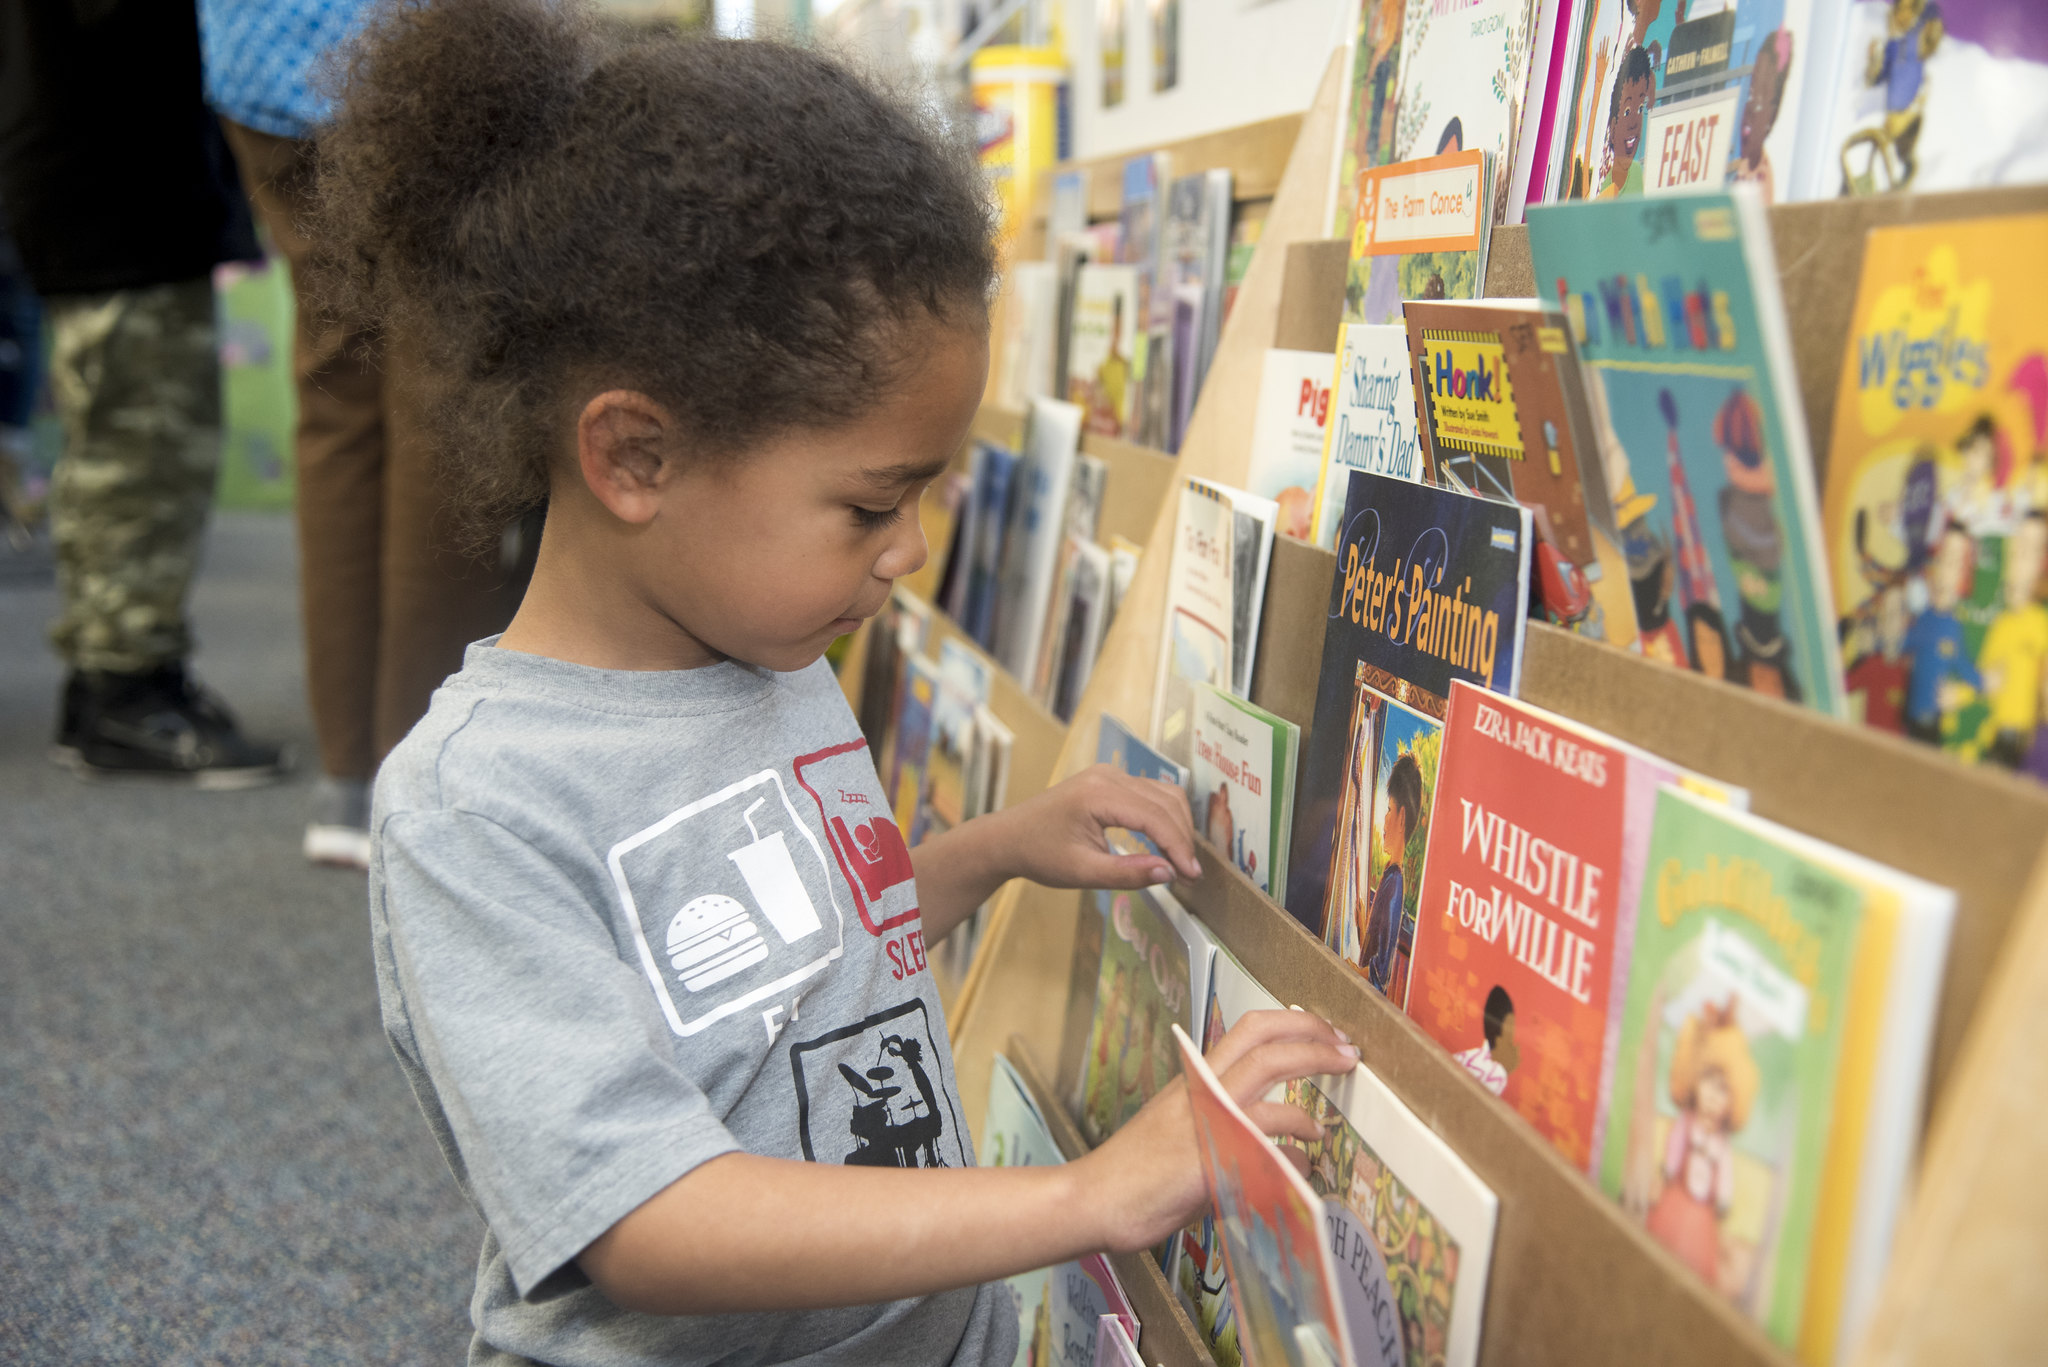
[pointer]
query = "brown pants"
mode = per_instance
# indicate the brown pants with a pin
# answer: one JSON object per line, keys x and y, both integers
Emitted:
{"x": 389, "y": 603}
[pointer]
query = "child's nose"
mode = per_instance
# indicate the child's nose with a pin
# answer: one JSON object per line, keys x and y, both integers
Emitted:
{"x": 906, "y": 553}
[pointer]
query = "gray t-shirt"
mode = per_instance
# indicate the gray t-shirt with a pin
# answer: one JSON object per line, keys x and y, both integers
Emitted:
{"x": 627, "y": 922}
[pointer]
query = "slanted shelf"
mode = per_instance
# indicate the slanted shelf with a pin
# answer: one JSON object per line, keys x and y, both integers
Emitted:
{"x": 1573, "y": 1279}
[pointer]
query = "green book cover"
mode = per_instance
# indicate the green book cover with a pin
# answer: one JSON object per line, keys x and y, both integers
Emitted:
{"x": 1730, "y": 1033}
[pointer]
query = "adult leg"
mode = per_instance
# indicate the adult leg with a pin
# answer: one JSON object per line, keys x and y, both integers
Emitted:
{"x": 341, "y": 462}
{"x": 137, "y": 384}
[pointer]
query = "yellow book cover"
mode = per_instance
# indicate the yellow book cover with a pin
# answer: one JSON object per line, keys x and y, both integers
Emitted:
{"x": 1936, "y": 505}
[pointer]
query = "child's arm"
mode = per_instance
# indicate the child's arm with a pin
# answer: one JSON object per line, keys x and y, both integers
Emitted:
{"x": 1058, "y": 839}
{"x": 747, "y": 1233}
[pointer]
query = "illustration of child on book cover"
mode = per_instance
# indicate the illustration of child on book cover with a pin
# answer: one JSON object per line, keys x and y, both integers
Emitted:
{"x": 1936, "y": 507}
{"x": 1421, "y": 1256}
{"x": 1142, "y": 991}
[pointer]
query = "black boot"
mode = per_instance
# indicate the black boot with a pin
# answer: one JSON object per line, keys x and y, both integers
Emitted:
{"x": 157, "y": 724}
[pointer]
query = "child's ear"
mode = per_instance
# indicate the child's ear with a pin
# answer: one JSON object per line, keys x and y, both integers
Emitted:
{"x": 622, "y": 443}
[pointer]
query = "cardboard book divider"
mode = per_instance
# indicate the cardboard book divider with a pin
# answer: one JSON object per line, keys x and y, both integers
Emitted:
{"x": 1168, "y": 1336}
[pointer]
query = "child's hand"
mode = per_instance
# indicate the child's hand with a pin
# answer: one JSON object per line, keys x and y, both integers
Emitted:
{"x": 1146, "y": 1181}
{"x": 1059, "y": 838}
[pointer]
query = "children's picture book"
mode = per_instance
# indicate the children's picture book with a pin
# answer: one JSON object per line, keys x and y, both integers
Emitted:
{"x": 1372, "y": 423}
{"x": 1504, "y": 415}
{"x": 1197, "y": 1271}
{"x": 1252, "y": 520}
{"x": 1431, "y": 585}
{"x": 1037, "y": 532}
{"x": 1066, "y": 213}
{"x": 1731, "y": 1037}
{"x": 1367, "y": 122}
{"x": 1060, "y": 1310}
{"x": 1200, "y": 614}
{"x": 994, "y": 471}
{"x": 1243, "y": 794}
{"x": 1920, "y": 95}
{"x": 962, "y": 686}
{"x": 1086, "y": 623}
{"x": 1114, "y": 1346}
{"x": 1283, "y": 1279}
{"x": 1103, "y": 348}
{"x": 1393, "y": 1189}
{"x": 1525, "y": 174}
{"x": 1029, "y": 343}
{"x": 1936, "y": 506}
{"x": 913, "y": 728}
{"x": 1421, "y": 231}
{"x": 1675, "y": 308}
{"x": 1379, "y": 841}
{"x": 1668, "y": 99}
{"x": 1247, "y": 224}
{"x": 1464, "y": 75}
{"x": 1117, "y": 745}
{"x": 1195, "y": 242}
{"x": 1287, "y": 435}
{"x": 1154, "y": 974}
{"x": 1529, "y": 898}
{"x": 1146, "y": 177}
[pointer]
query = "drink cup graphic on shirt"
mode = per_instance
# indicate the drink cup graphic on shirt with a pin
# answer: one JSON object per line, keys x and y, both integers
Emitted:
{"x": 756, "y": 913}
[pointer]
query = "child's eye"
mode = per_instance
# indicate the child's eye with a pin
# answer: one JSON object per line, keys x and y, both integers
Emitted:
{"x": 874, "y": 519}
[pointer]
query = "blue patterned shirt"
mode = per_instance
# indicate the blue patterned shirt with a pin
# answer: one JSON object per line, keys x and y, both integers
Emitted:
{"x": 263, "y": 59}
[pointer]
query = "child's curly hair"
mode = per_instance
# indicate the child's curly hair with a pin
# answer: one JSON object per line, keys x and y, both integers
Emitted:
{"x": 543, "y": 203}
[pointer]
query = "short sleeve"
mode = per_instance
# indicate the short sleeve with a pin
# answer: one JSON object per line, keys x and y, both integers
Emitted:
{"x": 550, "y": 1062}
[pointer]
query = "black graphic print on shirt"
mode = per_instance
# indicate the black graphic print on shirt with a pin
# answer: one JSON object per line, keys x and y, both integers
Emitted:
{"x": 874, "y": 1094}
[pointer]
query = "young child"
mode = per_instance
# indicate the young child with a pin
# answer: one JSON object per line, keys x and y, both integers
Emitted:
{"x": 724, "y": 308}
{"x": 1383, "y": 924}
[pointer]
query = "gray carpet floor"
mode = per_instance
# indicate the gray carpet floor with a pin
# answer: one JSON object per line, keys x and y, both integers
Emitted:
{"x": 207, "y": 1154}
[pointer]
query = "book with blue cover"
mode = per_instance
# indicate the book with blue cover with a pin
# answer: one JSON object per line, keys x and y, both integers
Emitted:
{"x": 1674, "y": 304}
{"x": 1432, "y": 586}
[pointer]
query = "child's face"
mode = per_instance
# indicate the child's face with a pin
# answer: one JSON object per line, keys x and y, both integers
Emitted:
{"x": 1626, "y": 134}
{"x": 1393, "y": 834}
{"x": 1711, "y": 1099}
{"x": 770, "y": 557}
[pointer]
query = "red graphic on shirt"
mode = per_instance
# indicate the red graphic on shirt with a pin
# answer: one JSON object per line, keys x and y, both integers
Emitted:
{"x": 865, "y": 841}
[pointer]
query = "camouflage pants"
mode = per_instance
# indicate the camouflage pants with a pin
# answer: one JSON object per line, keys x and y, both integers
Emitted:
{"x": 137, "y": 383}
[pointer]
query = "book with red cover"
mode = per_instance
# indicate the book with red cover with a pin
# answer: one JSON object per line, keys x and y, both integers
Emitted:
{"x": 1528, "y": 905}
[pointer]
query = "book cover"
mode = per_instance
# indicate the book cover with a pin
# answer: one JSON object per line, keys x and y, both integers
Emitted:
{"x": 1432, "y": 585}
{"x": 1372, "y": 423}
{"x": 1527, "y": 909}
{"x": 1464, "y": 74}
{"x": 962, "y": 686}
{"x": 1200, "y": 610}
{"x": 1935, "y": 511}
{"x": 1675, "y": 308}
{"x": 1087, "y": 622}
{"x": 1421, "y": 231}
{"x": 1247, "y": 224}
{"x": 1146, "y": 177}
{"x": 1036, "y": 534}
{"x": 1379, "y": 841}
{"x": 1283, "y": 1281}
{"x": 1367, "y": 122}
{"x": 1103, "y": 348}
{"x": 1731, "y": 1033}
{"x": 1926, "y": 96}
{"x": 1194, "y": 241}
{"x": 1114, "y": 1346}
{"x": 995, "y": 472}
{"x": 1252, "y": 521}
{"x": 1287, "y": 435}
{"x": 1117, "y": 745}
{"x": 913, "y": 740}
{"x": 1393, "y": 1188}
{"x": 1028, "y": 348}
{"x": 1665, "y": 99}
{"x": 1243, "y": 774}
{"x": 1198, "y": 1273}
{"x": 1154, "y": 972}
{"x": 1060, "y": 1309}
{"x": 1504, "y": 416}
